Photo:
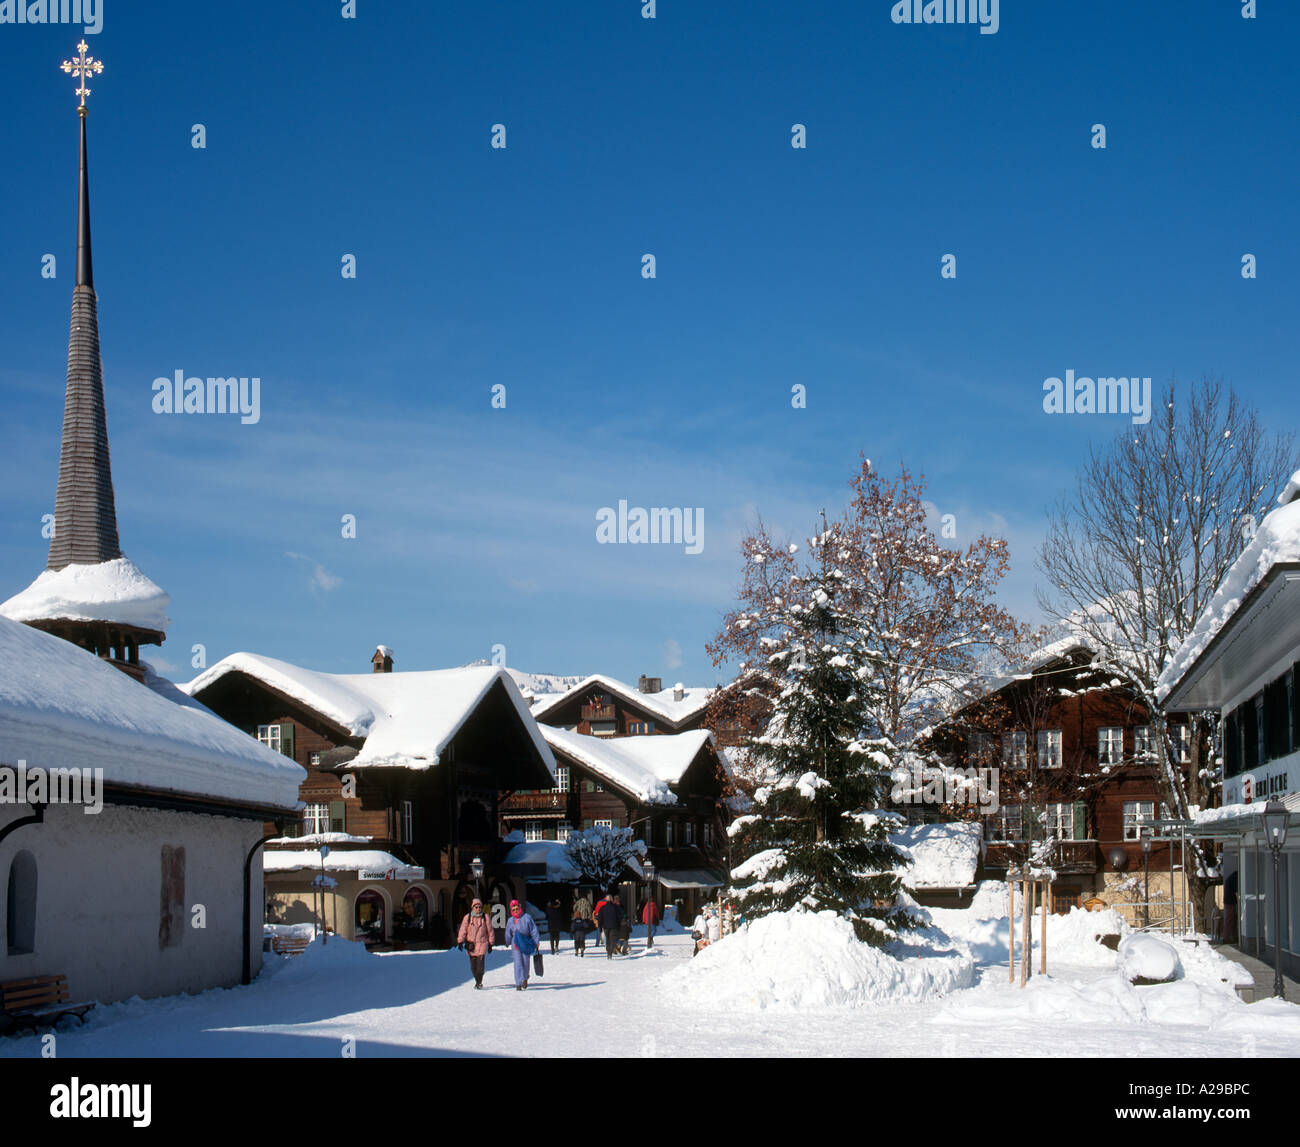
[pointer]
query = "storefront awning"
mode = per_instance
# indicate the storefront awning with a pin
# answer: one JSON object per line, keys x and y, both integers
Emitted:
{"x": 688, "y": 878}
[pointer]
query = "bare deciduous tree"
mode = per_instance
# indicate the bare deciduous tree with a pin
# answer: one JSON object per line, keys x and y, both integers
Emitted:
{"x": 1132, "y": 559}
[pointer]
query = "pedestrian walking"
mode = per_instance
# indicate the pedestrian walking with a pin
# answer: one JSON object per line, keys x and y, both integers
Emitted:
{"x": 650, "y": 917}
{"x": 610, "y": 917}
{"x": 554, "y": 923}
{"x": 523, "y": 938}
{"x": 581, "y": 925}
{"x": 475, "y": 937}
{"x": 595, "y": 915}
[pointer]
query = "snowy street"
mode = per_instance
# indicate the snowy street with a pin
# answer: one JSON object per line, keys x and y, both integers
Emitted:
{"x": 423, "y": 1003}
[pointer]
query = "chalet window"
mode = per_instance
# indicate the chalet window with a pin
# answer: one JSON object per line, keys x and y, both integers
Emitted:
{"x": 338, "y": 816}
{"x": 589, "y": 786}
{"x": 408, "y": 821}
{"x": 1136, "y": 814}
{"x": 534, "y": 830}
{"x": 668, "y": 834}
{"x": 20, "y": 905}
{"x": 1143, "y": 746}
{"x": 1110, "y": 746}
{"x": 689, "y": 830}
{"x": 604, "y": 824}
{"x": 1015, "y": 749}
{"x": 1182, "y": 738}
{"x": 561, "y": 779}
{"x": 1049, "y": 749}
{"x": 599, "y": 787}
{"x": 1059, "y": 821}
{"x": 708, "y": 835}
{"x": 1004, "y": 824}
{"x": 277, "y": 737}
{"x": 562, "y": 831}
{"x": 315, "y": 818}
{"x": 640, "y": 727}
{"x": 315, "y": 759}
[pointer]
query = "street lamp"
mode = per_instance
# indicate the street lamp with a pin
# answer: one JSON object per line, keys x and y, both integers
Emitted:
{"x": 1144, "y": 835}
{"x": 649, "y": 869}
{"x": 1275, "y": 823}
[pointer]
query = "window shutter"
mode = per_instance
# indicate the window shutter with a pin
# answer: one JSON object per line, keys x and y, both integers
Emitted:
{"x": 1080, "y": 821}
{"x": 588, "y": 823}
{"x": 338, "y": 816}
{"x": 286, "y": 738}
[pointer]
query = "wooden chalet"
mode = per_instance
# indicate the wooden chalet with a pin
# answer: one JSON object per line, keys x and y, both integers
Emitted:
{"x": 601, "y": 706}
{"x": 668, "y": 789}
{"x": 405, "y": 777}
{"x": 1086, "y": 746}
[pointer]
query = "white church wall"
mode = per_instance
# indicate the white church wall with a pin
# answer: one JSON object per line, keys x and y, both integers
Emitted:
{"x": 102, "y": 916}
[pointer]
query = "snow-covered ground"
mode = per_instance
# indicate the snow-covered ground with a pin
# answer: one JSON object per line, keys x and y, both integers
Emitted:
{"x": 408, "y": 1004}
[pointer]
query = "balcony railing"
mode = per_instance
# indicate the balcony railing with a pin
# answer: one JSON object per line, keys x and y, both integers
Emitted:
{"x": 598, "y": 713}
{"x": 539, "y": 800}
{"x": 1066, "y": 855}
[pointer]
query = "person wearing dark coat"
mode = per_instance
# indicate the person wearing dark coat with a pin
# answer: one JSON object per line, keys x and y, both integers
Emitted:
{"x": 555, "y": 923}
{"x": 610, "y": 918}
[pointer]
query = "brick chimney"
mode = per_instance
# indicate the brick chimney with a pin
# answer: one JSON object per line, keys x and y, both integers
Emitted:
{"x": 382, "y": 661}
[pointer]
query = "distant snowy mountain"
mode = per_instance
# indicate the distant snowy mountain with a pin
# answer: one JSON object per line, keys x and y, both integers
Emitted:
{"x": 537, "y": 684}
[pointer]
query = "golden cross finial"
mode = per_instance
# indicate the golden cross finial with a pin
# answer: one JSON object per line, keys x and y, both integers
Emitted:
{"x": 82, "y": 67}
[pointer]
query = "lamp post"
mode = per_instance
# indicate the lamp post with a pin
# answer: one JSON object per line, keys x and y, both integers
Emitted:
{"x": 324, "y": 852}
{"x": 1275, "y": 823}
{"x": 1144, "y": 835}
{"x": 649, "y": 869}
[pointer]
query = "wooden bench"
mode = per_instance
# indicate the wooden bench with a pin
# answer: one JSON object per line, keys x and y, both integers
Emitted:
{"x": 39, "y": 1001}
{"x": 289, "y": 945}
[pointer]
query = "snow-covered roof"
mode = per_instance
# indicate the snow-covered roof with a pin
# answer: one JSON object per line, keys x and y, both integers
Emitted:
{"x": 548, "y": 852}
{"x": 1276, "y": 541}
{"x": 359, "y": 861}
{"x": 61, "y": 707}
{"x": 407, "y": 719}
{"x": 641, "y": 766}
{"x": 943, "y": 855}
{"x": 106, "y": 591}
{"x": 662, "y": 704}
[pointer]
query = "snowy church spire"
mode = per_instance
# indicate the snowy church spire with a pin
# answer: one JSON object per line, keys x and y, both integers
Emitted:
{"x": 85, "y": 515}
{"x": 89, "y": 593}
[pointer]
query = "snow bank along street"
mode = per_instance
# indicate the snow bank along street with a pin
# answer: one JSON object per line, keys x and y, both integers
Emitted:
{"x": 785, "y": 987}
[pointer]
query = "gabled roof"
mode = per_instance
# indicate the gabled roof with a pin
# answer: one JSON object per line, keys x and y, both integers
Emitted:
{"x": 61, "y": 707}
{"x": 643, "y": 767}
{"x": 661, "y": 705}
{"x": 406, "y": 719}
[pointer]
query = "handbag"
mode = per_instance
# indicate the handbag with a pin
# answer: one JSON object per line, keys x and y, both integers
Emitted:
{"x": 538, "y": 966}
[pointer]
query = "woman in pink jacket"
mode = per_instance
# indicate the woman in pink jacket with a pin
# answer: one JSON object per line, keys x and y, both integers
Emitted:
{"x": 475, "y": 937}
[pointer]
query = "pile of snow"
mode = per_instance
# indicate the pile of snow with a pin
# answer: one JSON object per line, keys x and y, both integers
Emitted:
{"x": 104, "y": 591}
{"x": 942, "y": 855}
{"x": 368, "y": 863}
{"x": 322, "y": 954}
{"x": 797, "y": 961}
{"x": 1144, "y": 957}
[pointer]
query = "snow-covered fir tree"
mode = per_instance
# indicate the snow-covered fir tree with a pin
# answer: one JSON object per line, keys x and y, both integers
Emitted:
{"x": 811, "y": 840}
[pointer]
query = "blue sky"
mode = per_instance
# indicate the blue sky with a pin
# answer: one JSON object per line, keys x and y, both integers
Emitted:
{"x": 522, "y": 267}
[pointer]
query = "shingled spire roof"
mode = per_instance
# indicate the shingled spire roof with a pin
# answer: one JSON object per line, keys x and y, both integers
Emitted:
{"x": 89, "y": 593}
{"x": 85, "y": 516}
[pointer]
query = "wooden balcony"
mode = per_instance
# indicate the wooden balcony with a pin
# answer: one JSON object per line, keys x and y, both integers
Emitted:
{"x": 599, "y": 713}
{"x": 1068, "y": 856}
{"x": 536, "y": 801}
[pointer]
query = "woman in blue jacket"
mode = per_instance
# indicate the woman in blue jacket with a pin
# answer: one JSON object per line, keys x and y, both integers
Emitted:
{"x": 523, "y": 939}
